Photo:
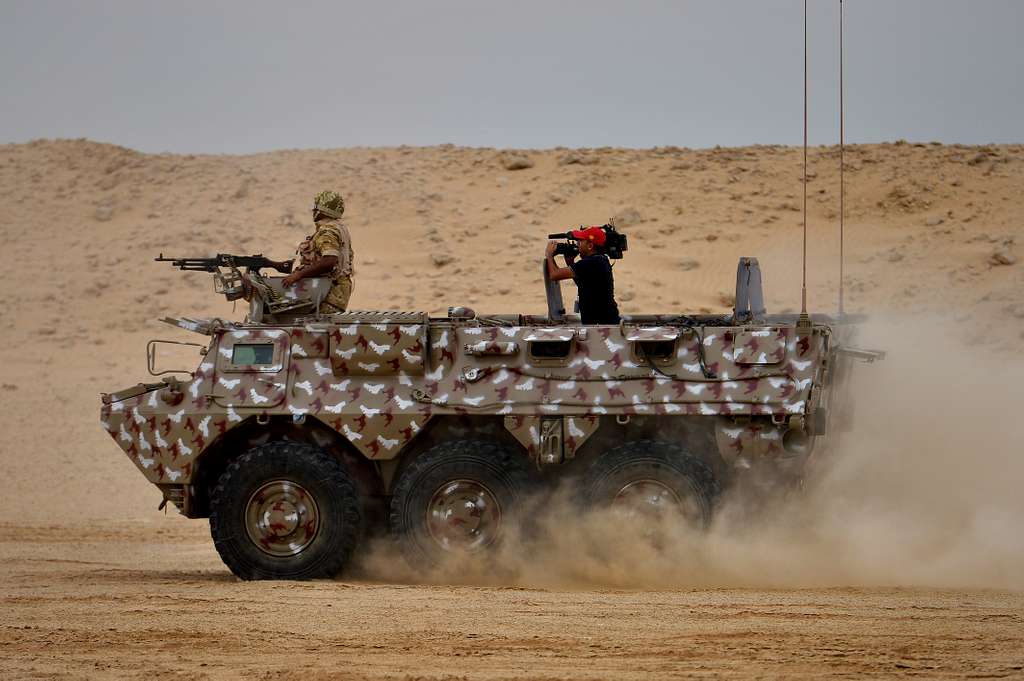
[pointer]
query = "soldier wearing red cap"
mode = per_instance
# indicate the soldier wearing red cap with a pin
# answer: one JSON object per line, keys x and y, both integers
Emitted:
{"x": 592, "y": 274}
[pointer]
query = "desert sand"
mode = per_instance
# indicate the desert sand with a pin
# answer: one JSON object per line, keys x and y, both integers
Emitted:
{"x": 903, "y": 557}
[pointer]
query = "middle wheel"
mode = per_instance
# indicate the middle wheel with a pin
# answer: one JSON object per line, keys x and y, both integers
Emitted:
{"x": 457, "y": 498}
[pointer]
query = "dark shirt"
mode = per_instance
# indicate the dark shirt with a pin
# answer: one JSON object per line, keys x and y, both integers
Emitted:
{"x": 593, "y": 277}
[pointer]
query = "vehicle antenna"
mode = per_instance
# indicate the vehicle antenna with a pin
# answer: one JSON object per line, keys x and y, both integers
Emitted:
{"x": 803, "y": 286}
{"x": 842, "y": 164}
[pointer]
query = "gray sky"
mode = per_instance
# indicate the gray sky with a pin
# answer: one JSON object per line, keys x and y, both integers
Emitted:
{"x": 235, "y": 77}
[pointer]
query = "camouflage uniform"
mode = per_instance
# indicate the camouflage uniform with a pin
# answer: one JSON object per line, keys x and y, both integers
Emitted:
{"x": 331, "y": 238}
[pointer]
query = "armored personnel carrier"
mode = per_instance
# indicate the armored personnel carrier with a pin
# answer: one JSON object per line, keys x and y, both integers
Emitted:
{"x": 299, "y": 432}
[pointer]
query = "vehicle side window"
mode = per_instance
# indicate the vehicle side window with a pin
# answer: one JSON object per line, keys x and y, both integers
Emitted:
{"x": 252, "y": 354}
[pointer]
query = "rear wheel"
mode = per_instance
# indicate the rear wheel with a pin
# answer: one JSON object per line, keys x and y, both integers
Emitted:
{"x": 285, "y": 510}
{"x": 651, "y": 481}
{"x": 457, "y": 498}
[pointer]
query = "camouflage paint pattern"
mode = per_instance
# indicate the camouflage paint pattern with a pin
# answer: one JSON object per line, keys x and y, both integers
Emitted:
{"x": 313, "y": 290}
{"x": 750, "y": 440}
{"x": 575, "y": 431}
{"x": 377, "y": 378}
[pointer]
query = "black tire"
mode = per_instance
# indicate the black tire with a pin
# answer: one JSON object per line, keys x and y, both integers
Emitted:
{"x": 314, "y": 491}
{"x": 423, "y": 487}
{"x": 666, "y": 464}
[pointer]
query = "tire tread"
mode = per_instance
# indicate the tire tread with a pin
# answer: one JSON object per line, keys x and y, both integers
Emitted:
{"x": 499, "y": 459}
{"x": 284, "y": 453}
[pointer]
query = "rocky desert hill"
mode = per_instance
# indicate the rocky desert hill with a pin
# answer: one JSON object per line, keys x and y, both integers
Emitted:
{"x": 927, "y": 226}
{"x": 929, "y": 229}
{"x": 904, "y": 556}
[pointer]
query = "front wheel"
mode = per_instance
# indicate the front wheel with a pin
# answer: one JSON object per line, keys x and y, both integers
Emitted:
{"x": 285, "y": 510}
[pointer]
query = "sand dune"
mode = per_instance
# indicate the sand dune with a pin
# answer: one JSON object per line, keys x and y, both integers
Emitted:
{"x": 932, "y": 232}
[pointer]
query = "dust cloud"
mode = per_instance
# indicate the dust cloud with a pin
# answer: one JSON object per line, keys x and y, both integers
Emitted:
{"x": 922, "y": 492}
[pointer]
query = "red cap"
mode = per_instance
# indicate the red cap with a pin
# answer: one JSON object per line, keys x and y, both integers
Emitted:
{"x": 594, "y": 234}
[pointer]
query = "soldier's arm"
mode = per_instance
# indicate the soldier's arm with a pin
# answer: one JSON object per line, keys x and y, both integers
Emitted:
{"x": 321, "y": 267}
{"x": 345, "y": 249}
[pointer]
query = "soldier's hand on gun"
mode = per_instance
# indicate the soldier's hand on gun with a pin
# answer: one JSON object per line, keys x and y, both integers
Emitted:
{"x": 291, "y": 278}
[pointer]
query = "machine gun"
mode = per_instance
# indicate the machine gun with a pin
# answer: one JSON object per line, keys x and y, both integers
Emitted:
{"x": 614, "y": 244}
{"x": 250, "y": 262}
{"x": 227, "y": 276}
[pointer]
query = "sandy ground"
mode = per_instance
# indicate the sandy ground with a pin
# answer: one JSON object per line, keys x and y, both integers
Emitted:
{"x": 161, "y": 605}
{"x": 907, "y": 558}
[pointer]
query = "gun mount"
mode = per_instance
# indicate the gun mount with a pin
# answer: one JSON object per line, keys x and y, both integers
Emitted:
{"x": 270, "y": 301}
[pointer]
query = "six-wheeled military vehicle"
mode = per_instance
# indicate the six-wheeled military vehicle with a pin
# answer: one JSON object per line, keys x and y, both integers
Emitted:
{"x": 298, "y": 432}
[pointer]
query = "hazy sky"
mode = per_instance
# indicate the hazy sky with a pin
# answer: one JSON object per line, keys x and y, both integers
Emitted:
{"x": 218, "y": 76}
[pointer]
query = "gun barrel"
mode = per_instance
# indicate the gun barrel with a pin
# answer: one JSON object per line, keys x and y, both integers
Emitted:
{"x": 191, "y": 264}
{"x": 251, "y": 262}
{"x": 196, "y": 266}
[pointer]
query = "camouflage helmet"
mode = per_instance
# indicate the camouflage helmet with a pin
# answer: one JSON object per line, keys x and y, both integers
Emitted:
{"x": 329, "y": 203}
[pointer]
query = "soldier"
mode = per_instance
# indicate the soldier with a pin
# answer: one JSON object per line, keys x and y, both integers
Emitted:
{"x": 592, "y": 275}
{"x": 327, "y": 252}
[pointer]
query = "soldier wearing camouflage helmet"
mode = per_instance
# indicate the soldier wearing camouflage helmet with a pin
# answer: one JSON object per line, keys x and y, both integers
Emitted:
{"x": 327, "y": 252}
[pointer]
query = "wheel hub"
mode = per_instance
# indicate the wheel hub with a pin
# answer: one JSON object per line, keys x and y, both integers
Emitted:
{"x": 648, "y": 498}
{"x": 281, "y": 518}
{"x": 463, "y": 515}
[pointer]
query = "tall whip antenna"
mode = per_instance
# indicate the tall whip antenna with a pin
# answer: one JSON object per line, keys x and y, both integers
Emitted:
{"x": 842, "y": 164}
{"x": 803, "y": 287}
